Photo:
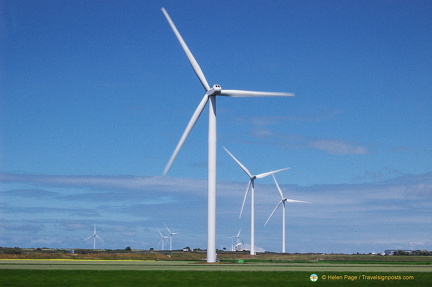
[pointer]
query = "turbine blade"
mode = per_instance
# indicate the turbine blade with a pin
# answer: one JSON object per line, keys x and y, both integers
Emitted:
{"x": 188, "y": 53}
{"x": 274, "y": 210}
{"x": 168, "y": 229}
{"x": 239, "y": 163}
{"x": 244, "y": 199}
{"x": 88, "y": 238}
{"x": 286, "y": 199}
{"x": 243, "y": 94}
{"x": 293, "y": 200}
{"x": 261, "y": 175}
{"x": 277, "y": 185}
{"x": 187, "y": 131}
{"x": 236, "y": 236}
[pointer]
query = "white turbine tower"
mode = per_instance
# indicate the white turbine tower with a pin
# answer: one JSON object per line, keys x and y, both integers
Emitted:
{"x": 251, "y": 186}
{"x": 282, "y": 201}
{"x": 162, "y": 240}
{"x": 209, "y": 96}
{"x": 170, "y": 236}
{"x": 94, "y": 235}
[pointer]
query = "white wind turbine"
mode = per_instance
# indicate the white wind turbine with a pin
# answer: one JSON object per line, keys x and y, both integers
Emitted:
{"x": 94, "y": 235}
{"x": 282, "y": 201}
{"x": 251, "y": 186}
{"x": 237, "y": 240}
{"x": 170, "y": 236}
{"x": 209, "y": 96}
{"x": 162, "y": 240}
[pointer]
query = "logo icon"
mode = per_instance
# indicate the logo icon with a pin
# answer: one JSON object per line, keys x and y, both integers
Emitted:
{"x": 313, "y": 277}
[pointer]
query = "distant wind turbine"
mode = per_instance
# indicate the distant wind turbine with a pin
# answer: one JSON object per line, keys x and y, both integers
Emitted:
{"x": 282, "y": 201}
{"x": 237, "y": 240}
{"x": 94, "y": 235}
{"x": 162, "y": 240}
{"x": 209, "y": 96}
{"x": 170, "y": 236}
{"x": 251, "y": 186}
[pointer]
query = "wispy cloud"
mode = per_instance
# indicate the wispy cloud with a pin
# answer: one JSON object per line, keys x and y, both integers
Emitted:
{"x": 395, "y": 209}
{"x": 136, "y": 183}
{"x": 318, "y": 115}
{"x": 379, "y": 175}
{"x": 9, "y": 209}
{"x": 296, "y": 141}
{"x": 260, "y": 129}
{"x": 29, "y": 193}
{"x": 332, "y": 146}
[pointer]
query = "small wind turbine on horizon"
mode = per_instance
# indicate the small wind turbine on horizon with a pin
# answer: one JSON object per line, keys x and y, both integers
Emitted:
{"x": 170, "y": 236}
{"x": 94, "y": 235}
{"x": 282, "y": 201}
{"x": 251, "y": 186}
{"x": 210, "y": 97}
{"x": 233, "y": 247}
{"x": 162, "y": 240}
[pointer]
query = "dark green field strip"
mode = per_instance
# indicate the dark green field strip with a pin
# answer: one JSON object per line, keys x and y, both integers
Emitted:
{"x": 66, "y": 278}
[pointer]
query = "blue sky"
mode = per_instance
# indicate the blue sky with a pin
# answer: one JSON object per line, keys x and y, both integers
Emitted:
{"x": 94, "y": 96}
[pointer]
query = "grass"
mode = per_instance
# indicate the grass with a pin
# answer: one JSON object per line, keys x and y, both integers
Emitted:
{"x": 75, "y": 264}
{"x": 189, "y": 269}
{"x": 67, "y": 278}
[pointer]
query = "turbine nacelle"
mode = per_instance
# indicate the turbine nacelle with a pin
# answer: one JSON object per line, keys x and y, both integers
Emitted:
{"x": 215, "y": 90}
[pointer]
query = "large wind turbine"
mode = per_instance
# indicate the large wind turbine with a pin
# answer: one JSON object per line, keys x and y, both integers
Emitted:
{"x": 170, "y": 236}
{"x": 282, "y": 201}
{"x": 209, "y": 96}
{"x": 94, "y": 235}
{"x": 251, "y": 186}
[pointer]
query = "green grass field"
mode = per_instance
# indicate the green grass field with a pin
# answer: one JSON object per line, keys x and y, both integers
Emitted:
{"x": 66, "y": 278}
{"x": 64, "y": 273}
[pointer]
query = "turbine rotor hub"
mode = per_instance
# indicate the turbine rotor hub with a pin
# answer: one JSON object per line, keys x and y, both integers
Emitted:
{"x": 215, "y": 90}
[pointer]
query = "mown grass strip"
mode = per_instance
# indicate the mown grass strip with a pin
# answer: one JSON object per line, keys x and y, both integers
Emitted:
{"x": 66, "y": 278}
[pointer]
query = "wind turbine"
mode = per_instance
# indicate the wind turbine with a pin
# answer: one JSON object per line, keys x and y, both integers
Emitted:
{"x": 237, "y": 240}
{"x": 282, "y": 201}
{"x": 209, "y": 96}
{"x": 162, "y": 240}
{"x": 251, "y": 186}
{"x": 170, "y": 236}
{"x": 94, "y": 235}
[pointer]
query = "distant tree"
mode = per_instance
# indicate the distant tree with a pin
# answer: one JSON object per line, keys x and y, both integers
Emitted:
{"x": 421, "y": 253}
{"x": 8, "y": 250}
{"x": 128, "y": 248}
{"x": 400, "y": 252}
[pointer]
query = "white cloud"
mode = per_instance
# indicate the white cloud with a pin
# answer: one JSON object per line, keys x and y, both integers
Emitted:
{"x": 398, "y": 208}
{"x": 261, "y": 131}
{"x": 337, "y": 147}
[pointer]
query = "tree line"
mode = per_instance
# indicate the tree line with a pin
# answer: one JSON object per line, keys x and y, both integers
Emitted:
{"x": 413, "y": 253}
